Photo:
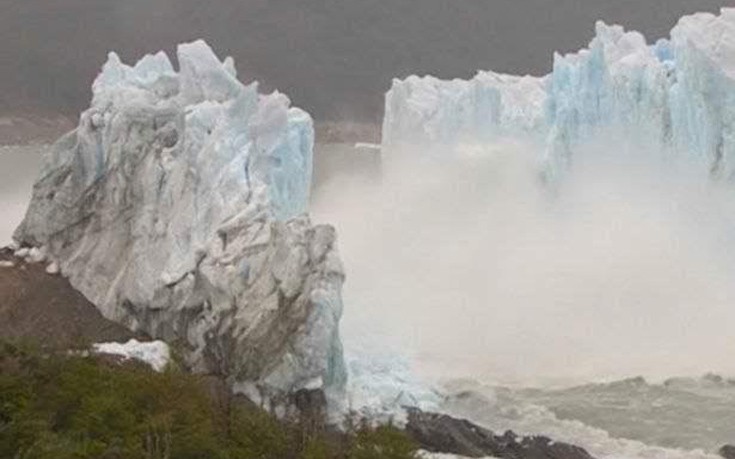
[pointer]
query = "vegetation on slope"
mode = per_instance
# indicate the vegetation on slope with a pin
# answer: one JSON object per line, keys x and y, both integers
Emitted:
{"x": 62, "y": 406}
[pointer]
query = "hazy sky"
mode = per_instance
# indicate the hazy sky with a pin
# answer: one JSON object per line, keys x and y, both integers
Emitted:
{"x": 335, "y": 58}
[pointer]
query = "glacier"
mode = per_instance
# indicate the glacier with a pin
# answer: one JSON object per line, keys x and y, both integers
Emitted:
{"x": 669, "y": 101}
{"x": 674, "y": 95}
{"x": 178, "y": 207}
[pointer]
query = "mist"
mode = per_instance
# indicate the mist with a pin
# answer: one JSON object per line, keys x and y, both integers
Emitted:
{"x": 472, "y": 266}
{"x": 20, "y": 166}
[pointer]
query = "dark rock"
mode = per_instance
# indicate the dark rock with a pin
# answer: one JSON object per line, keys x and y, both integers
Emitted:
{"x": 440, "y": 433}
{"x": 310, "y": 402}
{"x": 728, "y": 452}
{"x": 311, "y": 407}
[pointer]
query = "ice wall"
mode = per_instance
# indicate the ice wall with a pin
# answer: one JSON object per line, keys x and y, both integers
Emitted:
{"x": 178, "y": 208}
{"x": 674, "y": 95}
{"x": 432, "y": 111}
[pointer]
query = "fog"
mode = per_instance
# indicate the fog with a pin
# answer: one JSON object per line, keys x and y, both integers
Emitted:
{"x": 473, "y": 267}
{"x": 19, "y": 167}
{"x": 470, "y": 265}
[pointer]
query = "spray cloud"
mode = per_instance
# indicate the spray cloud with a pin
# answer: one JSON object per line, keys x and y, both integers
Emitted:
{"x": 469, "y": 264}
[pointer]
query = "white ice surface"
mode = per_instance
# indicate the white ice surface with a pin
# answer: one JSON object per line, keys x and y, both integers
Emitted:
{"x": 674, "y": 98}
{"x": 676, "y": 95}
{"x": 178, "y": 207}
{"x": 381, "y": 382}
{"x": 154, "y": 353}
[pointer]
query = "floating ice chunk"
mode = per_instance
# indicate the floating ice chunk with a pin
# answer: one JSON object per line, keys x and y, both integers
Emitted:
{"x": 154, "y": 353}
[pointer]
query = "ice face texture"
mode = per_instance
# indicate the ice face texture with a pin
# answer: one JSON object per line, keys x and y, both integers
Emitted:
{"x": 178, "y": 208}
{"x": 676, "y": 95}
{"x": 432, "y": 111}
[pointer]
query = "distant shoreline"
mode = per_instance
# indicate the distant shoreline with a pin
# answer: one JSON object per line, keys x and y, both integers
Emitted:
{"x": 44, "y": 128}
{"x": 32, "y": 128}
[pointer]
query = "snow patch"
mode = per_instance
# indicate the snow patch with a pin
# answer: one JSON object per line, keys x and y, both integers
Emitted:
{"x": 154, "y": 353}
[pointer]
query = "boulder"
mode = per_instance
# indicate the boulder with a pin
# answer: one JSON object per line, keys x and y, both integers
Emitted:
{"x": 727, "y": 451}
{"x": 439, "y": 433}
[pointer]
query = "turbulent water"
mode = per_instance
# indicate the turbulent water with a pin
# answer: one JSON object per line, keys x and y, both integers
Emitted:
{"x": 681, "y": 413}
{"x": 472, "y": 268}
{"x": 683, "y": 418}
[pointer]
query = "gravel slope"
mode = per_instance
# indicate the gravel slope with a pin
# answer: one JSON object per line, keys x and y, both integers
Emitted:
{"x": 44, "y": 309}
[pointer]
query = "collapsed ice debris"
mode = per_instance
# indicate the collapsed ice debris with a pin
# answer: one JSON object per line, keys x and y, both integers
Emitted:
{"x": 677, "y": 95}
{"x": 178, "y": 206}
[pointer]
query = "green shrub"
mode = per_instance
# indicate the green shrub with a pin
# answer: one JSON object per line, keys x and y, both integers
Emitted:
{"x": 317, "y": 449}
{"x": 59, "y": 406}
{"x": 383, "y": 442}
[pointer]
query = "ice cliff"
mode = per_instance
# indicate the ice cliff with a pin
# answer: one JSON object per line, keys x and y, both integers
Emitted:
{"x": 675, "y": 95}
{"x": 178, "y": 207}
